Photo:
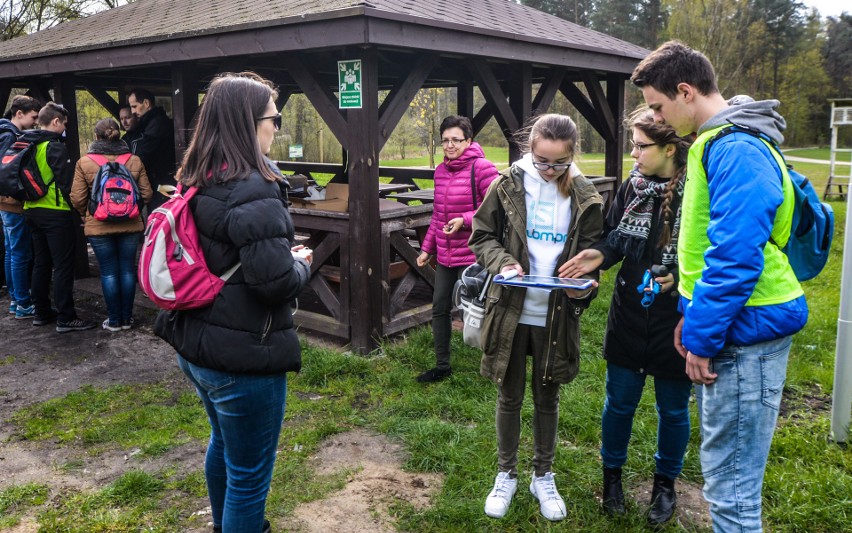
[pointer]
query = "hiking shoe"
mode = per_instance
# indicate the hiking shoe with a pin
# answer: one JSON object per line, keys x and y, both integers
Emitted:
{"x": 551, "y": 503}
{"x": 433, "y": 375}
{"x": 111, "y": 327}
{"x": 22, "y": 313}
{"x": 13, "y": 307}
{"x": 127, "y": 324}
{"x": 498, "y": 500}
{"x": 78, "y": 324}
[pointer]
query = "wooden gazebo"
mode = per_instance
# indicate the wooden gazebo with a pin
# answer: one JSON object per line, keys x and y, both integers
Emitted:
{"x": 504, "y": 49}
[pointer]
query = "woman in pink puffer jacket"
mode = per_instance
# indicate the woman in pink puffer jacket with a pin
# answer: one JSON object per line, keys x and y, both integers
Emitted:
{"x": 456, "y": 201}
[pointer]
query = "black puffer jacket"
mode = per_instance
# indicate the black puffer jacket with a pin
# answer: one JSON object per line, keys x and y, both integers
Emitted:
{"x": 249, "y": 327}
{"x": 154, "y": 143}
{"x": 639, "y": 338}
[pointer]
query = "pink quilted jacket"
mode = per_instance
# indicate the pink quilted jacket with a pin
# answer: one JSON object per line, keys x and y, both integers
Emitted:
{"x": 453, "y": 199}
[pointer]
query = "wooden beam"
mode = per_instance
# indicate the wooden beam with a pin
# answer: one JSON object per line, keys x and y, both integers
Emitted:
{"x": 495, "y": 96}
{"x": 520, "y": 101}
{"x": 5, "y": 91}
{"x": 103, "y": 98}
{"x": 547, "y": 92}
{"x": 184, "y": 105}
{"x": 399, "y": 99}
{"x": 582, "y": 104}
{"x": 481, "y": 118}
{"x": 464, "y": 99}
{"x": 599, "y": 102}
{"x": 320, "y": 96}
{"x": 614, "y": 159}
{"x": 365, "y": 230}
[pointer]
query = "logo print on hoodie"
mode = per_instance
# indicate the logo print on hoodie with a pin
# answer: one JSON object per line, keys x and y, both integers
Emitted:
{"x": 541, "y": 223}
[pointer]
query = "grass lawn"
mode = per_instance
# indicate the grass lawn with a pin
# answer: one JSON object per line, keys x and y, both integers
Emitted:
{"x": 446, "y": 427}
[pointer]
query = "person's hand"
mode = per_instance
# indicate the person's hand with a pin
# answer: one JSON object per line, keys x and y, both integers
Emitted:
{"x": 302, "y": 252}
{"x": 453, "y": 225}
{"x": 584, "y": 262}
{"x": 516, "y": 267}
{"x": 698, "y": 369}
{"x": 666, "y": 282}
{"x": 581, "y": 294}
{"x": 423, "y": 259}
{"x": 678, "y": 339}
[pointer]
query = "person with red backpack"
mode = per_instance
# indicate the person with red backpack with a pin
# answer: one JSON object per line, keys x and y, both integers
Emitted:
{"x": 110, "y": 206}
{"x": 237, "y": 351}
{"x": 51, "y": 224}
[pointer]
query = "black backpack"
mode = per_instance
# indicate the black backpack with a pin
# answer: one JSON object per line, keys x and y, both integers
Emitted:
{"x": 20, "y": 177}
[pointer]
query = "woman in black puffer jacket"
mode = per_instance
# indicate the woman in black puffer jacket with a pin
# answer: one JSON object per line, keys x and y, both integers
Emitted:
{"x": 237, "y": 351}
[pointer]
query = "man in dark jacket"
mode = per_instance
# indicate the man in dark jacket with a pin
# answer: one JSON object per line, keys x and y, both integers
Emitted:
{"x": 22, "y": 115}
{"x": 155, "y": 144}
{"x": 130, "y": 124}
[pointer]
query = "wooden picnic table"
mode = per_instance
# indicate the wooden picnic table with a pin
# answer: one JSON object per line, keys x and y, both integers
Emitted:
{"x": 387, "y": 188}
{"x": 427, "y": 196}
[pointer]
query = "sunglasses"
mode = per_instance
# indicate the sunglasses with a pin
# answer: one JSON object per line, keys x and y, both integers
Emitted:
{"x": 276, "y": 120}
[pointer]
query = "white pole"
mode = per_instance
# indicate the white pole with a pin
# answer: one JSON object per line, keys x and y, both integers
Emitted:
{"x": 841, "y": 403}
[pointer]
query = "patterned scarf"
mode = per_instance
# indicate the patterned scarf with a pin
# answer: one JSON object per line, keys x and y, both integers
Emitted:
{"x": 632, "y": 232}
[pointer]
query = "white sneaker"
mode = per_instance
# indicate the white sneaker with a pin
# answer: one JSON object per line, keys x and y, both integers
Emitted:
{"x": 498, "y": 500}
{"x": 551, "y": 503}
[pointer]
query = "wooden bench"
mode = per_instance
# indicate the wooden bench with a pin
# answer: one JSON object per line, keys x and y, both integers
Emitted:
{"x": 396, "y": 270}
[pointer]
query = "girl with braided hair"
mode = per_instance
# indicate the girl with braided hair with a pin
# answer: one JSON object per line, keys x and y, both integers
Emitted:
{"x": 641, "y": 231}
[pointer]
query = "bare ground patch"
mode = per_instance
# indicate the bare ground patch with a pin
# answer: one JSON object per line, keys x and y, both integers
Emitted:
{"x": 376, "y": 482}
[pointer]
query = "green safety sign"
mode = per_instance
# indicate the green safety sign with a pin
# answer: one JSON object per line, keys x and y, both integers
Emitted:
{"x": 349, "y": 77}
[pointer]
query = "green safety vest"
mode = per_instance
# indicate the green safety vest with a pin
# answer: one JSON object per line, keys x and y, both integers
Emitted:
{"x": 53, "y": 199}
{"x": 777, "y": 283}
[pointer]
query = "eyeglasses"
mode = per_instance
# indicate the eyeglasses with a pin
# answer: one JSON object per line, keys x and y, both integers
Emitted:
{"x": 276, "y": 120}
{"x": 558, "y": 167}
{"x": 641, "y": 146}
{"x": 454, "y": 142}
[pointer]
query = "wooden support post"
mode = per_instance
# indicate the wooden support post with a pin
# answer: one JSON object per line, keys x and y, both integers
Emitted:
{"x": 464, "y": 99}
{"x": 520, "y": 101}
{"x": 615, "y": 146}
{"x": 582, "y": 103}
{"x": 5, "y": 91}
{"x": 64, "y": 92}
{"x": 601, "y": 104}
{"x": 495, "y": 96}
{"x": 547, "y": 92}
{"x": 365, "y": 259}
{"x": 320, "y": 96}
{"x": 103, "y": 98}
{"x": 399, "y": 99}
{"x": 184, "y": 105}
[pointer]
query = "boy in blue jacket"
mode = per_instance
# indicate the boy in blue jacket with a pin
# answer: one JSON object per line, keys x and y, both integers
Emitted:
{"x": 739, "y": 296}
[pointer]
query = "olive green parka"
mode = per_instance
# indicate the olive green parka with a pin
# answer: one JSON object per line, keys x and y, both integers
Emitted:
{"x": 499, "y": 239}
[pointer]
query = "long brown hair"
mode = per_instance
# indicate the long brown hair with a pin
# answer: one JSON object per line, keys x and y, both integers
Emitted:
{"x": 553, "y": 127}
{"x": 662, "y": 134}
{"x": 224, "y": 142}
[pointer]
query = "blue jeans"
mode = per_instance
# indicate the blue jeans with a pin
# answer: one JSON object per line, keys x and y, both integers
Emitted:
{"x": 623, "y": 392}
{"x": 738, "y": 416}
{"x": 117, "y": 260}
{"x": 19, "y": 255}
{"x": 245, "y": 413}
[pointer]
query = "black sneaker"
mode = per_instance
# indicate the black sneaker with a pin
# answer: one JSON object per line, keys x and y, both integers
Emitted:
{"x": 78, "y": 324}
{"x": 44, "y": 320}
{"x": 433, "y": 375}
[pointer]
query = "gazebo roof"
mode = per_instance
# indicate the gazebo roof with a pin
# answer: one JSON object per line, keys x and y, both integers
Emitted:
{"x": 157, "y": 21}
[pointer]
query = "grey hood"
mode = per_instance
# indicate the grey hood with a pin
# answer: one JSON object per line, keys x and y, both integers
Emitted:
{"x": 744, "y": 111}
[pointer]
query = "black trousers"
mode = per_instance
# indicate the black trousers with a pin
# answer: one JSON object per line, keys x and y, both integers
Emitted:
{"x": 442, "y": 306}
{"x": 53, "y": 255}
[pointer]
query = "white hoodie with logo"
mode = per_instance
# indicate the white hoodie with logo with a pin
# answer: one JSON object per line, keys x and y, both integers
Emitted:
{"x": 547, "y": 225}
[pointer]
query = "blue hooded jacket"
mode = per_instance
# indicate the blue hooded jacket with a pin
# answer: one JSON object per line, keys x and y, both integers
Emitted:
{"x": 744, "y": 180}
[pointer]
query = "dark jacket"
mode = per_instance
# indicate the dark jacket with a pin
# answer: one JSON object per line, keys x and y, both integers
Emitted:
{"x": 8, "y": 134}
{"x": 57, "y": 158}
{"x": 639, "y": 338}
{"x": 249, "y": 328}
{"x": 155, "y": 146}
{"x": 499, "y": 239}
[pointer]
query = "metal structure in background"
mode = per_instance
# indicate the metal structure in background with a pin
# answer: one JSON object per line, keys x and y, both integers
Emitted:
{"x": 841, "y": 401}
{"x": 841, "y": 115}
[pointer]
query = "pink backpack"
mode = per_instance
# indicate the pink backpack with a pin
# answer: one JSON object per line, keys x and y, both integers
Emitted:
{"x": 115, "y": 195}
{"x": 172, "y": 269}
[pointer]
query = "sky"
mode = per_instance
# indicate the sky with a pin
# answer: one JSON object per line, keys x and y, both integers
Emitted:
{"x": 828, "y": 7}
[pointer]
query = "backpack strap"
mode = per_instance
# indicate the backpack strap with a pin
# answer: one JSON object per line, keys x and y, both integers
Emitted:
{"x": 98, "y": 159}
{"x": 473, "y": 183}
{"x": 123, "y": 158}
